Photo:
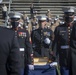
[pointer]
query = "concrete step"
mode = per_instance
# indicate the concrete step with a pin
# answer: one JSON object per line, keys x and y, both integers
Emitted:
{"x": 27, "y": 6}
{"x": 46, "y": 0}
{"x": 38, "y": 8}
{"x": 49, "y": 3}
{"x": 39, "y": 12}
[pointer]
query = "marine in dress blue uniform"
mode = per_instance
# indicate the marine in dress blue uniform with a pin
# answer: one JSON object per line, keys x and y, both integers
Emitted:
{"x": 25, "y": 46}
{"x": 42, "y": 39}
{"x": 73, "y": 50}
{"x": 61, "y": 43}
{"x": 9, "y": 53}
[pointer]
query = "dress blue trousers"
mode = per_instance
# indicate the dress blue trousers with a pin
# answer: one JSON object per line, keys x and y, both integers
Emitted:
{"x": 64, "y": 71}
{"x": 22, "y": 71}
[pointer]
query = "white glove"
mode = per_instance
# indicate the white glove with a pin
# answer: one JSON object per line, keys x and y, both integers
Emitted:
{"x": 31, "y": 67}
{"x": 47, "y": 41}
{"x": 53, "y": 64}
{"x": 26, "y": 26}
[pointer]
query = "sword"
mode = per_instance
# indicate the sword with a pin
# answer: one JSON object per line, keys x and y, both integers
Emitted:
{"x": 52, "y": 65}
{"x": 45, "y": 70}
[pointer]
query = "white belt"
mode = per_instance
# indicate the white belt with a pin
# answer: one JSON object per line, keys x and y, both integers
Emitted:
{"x": 65, "y": 47}
{"x": 21, "y": 49}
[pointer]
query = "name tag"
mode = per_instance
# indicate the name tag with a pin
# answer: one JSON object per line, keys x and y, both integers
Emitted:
{"x": 65, "y": 47}
{"x": 21, "y": 49}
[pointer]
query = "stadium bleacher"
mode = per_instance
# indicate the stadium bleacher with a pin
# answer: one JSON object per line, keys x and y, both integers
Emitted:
{"x": 39, "y": 5}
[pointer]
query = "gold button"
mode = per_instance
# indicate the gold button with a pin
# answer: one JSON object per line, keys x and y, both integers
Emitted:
{"x": 68, "y": 27}
{"x": 69, "y": 36}
{"x": 68, "y": 30}
{"x": 69, "y": 33}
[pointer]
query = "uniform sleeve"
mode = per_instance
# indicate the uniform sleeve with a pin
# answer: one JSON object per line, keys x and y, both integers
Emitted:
{"x": 73, "y": 38}
{"x": 32, "y": 36}
{"x": 52, "y": 35}
{"x": 51, "y": 40}
{"x": 55, "y": 43}
{"x": 32, "y": 39}
{"x": 14, "y": 58}
{"x": 29, "y": 50}
{"x": 72, "y": 52}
